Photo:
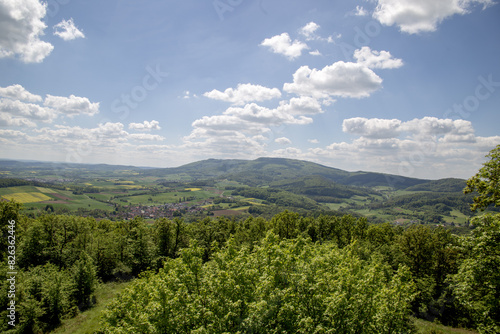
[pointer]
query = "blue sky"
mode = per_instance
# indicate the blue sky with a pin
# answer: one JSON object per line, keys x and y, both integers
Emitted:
{"x": 408, "y": 87}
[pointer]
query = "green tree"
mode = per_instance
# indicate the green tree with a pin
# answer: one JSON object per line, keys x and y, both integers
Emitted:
{"x": 477, "y": 283}
{"x": 45, "y": 292}
{"x": 9, "y": 212}
{"x": 280, "y": 286}
{"x": 84, "y": 281}
{"x": 486, "y": 182}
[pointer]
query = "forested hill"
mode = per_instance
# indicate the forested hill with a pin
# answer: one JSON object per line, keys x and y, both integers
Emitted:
{"x": 258, "y": 172}
{"x": 263, "y": 171}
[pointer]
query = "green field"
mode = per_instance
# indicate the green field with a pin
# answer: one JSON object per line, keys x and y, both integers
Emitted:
{"x": 38, "y": 198}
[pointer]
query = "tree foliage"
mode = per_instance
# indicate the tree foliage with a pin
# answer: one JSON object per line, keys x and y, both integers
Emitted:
{"x": 477, "y": 284}
{"x": 486, "y": 182}
{"x": 291, "y": 286}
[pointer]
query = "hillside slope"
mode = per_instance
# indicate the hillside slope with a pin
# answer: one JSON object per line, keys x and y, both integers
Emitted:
{"x": 263, "y": 171}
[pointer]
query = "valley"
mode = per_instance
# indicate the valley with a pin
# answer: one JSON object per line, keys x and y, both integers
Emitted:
{"x": 235, "y": 188}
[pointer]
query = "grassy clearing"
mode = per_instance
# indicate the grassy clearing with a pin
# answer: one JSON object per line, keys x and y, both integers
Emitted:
{"x": 426, "y": 327}
{"x": 456, "y": 217}
{"x": 88, "y": 321}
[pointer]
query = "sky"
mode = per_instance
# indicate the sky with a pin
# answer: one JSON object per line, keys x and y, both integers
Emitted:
{"x": 408, "y": 87}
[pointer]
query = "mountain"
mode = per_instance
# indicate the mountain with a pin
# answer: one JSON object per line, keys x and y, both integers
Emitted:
{"x": 265, "y": 171}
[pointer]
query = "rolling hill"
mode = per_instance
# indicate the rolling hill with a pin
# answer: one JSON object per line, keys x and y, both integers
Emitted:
{"x": 264, "y": 171}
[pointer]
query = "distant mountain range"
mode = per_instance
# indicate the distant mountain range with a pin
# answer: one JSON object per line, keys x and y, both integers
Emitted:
{"x": 271, "y": 171}
{"x": 259, "y": 172}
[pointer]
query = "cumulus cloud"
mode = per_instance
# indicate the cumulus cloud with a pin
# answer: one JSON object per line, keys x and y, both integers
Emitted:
{"x": 146, "y": 137}
{"x": 260, "y": 115}
{"x": 303, "y": 105}
{"x": 145, "y": 126}
{"x": 246, "y": 128}
{"x": 283, "y": 141}
{"x": 421, "y": 159}
{"x": 21, "y": 27}
{"x": 339, "y": 79}
{"x": 244, "y": 93}
{"x": 19, "y": 107}
{"x": 372, "y": 128}
{"x": 18, "y": 92}
{"x": 72, "y": 105}
{"x": 27, "y": 110}
{"x": 283, "y": 44}
{"x": 432, "y": 126}
{"x": 344, "y": 79}
{"x": 360, "y": 11}
{"x": 308, "y": 30}
{"x": 415, "y": 16}
{"x": 67, "y": 30}
{"x": 9, "y": 121}
{"x": 376, "y": 59}
{"x": 418, "y": 127}
{"x": 411, "y": 148}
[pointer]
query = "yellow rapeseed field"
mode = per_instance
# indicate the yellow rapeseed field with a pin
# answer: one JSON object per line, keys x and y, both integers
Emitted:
{"x": 27, "y": 197}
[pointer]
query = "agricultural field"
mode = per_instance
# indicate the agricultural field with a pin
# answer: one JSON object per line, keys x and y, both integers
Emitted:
{"x": 260, "y": 187}
{"x": 37, "y": 199}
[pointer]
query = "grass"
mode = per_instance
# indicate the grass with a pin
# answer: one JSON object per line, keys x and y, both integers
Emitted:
{"x": 456, "y": 217}
{"x": 427, "y": 327}
{"x": 88, "y": 322}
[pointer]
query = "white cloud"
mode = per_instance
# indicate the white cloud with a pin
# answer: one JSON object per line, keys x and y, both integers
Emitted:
{"x": 289, "y": 152}
{"x": 432, "y": 126}
{"x": 18, "y": 92}
{"x": 315, "y": 53}
{"x": 9, "y": 121}
{"x": 313, "y": 141}
{"x": 105, "y": 134}
{"x": 12, "y": 134}
{"x": 344, "y": 79}
{"x": 67, "y": 30}
{"x": 72, "y": 105}
{"x": 339, "y": 79}
{"x": 415, "y": 16}
{"x": 283, "y": 44}
{"x": 425, "y": 147}
{"x": 145, "y": 126}
{"x": 229, "y": 144}
{"x": 244, "y": 93}
{"x": 360, "y": 11}
{"x": 283, "y": 141}
{"x": 245, "y": 128}
{"x": 111, "y": 130}
{"x": 256, "y": 114}
{"x": 21, "y": 26}
{"x": 376, "y": 59}
{"x": 27, "y": 110}
{"x": 308, "y": 30}
{"x": 303, "y": 105}
{"x": 372, "y": 128}
{"x": 418, "y": 127}
{"x": 146, "y": 137}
